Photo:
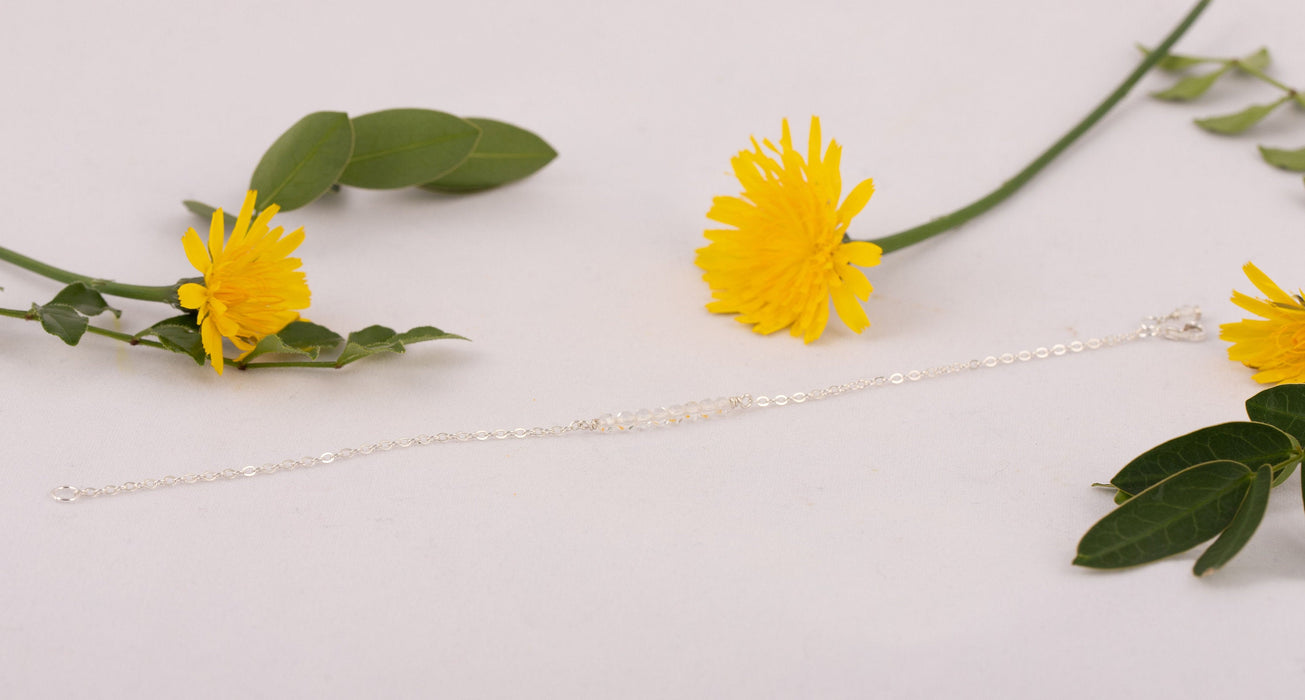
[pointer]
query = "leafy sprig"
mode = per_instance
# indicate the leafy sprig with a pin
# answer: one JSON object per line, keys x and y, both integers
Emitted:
{"x": 1214, "y": 481}
{"x": 1192, "y": 86}
{"x": 391, "y": 149}
{"x": 300, "y": 344}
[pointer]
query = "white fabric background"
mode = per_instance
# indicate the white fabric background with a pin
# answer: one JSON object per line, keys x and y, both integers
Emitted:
{"x": 913, "y": 542}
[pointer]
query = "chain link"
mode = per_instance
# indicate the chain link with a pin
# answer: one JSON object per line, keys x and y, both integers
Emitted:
{"x": 1182, "y": 324}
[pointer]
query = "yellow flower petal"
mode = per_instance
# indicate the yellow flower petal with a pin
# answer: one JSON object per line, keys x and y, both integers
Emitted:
{"x": 212, "y": 341}
{"x": 191, "y": 295}
{"x": 782, "y": 261}
{"x": 196, "y": 253}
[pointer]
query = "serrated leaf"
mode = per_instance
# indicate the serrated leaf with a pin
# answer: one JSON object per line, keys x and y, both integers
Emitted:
{"x": 63, "y": 321}
{"x": 1191, "y": 87}
{"x": 1257, "y": 61}
{"x": 1243, "y": 525}
{"x": 1244, "y": 442}
{"x": 424, "y": 333}
{"x": 1287, "y": 160}
{"x": 1238, "y": 122}
{"x": 1172, "y": 516}
{"x": 298, "y": 338}
{"x": 505, "y": 153}
{"x": 405, "y": 147}
{"x": 179, "y": 334}
{"x": 303, "y": 163}
{"x": 369, "y": 341}
{"x": 1173, "y": 62}
{"x": 205, "y": 212}
{"x": 85, "y": 300}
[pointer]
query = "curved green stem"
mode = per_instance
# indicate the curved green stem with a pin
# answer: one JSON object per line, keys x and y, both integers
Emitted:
{"x": 166, "y": 294}
{"x": 912, "y": 236}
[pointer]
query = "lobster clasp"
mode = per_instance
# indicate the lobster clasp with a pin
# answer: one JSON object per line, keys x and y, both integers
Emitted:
{"x": 1183, "y": 323}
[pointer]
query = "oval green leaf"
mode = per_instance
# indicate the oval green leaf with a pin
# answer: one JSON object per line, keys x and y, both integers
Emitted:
{"x": 1192, "y": 87}
{"x": 1257, "y": 61}
{"x": 62, "y": 321}
{"x": 1238, "y": 122}
{"x": 1243, "y": 525}
{"x": 179, "y": 334}
{"x": 406, "y": 147}
{"x": 1287, "y": 160}
{"x": 303, "y": 163}
{"x": 1244, "y": 442}
{"x": 506, "y": 153}
{"x": 85, "y": 300}
{"x": 1173, "y": 516}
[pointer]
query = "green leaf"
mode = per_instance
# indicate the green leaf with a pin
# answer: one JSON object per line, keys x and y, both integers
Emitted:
{"x": 1192, "y": 87}
{"x": 63, "y": 321}
{"x": 179, "y": 334}
{"x": 1243, "y": 525}
{"x": 1239, "y": 121}
{"x": 1283, "y": 407}
{"x": 1300, "y": 99}
{"x": 423, "y": 333}
{"x": 374, "y": 340}
{"x": 406, "y": 147}
{"x": 298, "y": 338}
{"x": 205, "y": 212}
{"x": 505, "y": 153}
{"x": 1173, "y": 516}
{"x": 1173, "y": 62}
{"x": 369, "y": 341}
{"x": 1287, "y": 160}
{"x": 85, "y": 300}
{"x": 305, "y": 161}
{"x": 1245, "y": 442}
{"x": 1257, "y": 61}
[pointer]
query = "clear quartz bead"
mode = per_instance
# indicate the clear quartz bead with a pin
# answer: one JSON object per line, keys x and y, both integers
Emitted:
{"x": 606, "y": 422}
{"x": 625, "y": 420}
{"x": 693, "y": 410}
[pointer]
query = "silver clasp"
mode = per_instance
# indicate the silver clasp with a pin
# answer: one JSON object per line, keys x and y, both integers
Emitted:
{"x": 1183, "y": 323}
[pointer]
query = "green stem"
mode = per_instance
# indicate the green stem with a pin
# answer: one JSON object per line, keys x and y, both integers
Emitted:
{"x": 128, "y": 339}
{"x": 1256, "y": 72}
{"x": 912, "y": 236}
{"x": 166, "y": 294}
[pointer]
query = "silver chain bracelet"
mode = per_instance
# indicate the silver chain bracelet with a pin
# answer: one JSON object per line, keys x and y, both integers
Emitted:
{"x": 1183, "y": 323}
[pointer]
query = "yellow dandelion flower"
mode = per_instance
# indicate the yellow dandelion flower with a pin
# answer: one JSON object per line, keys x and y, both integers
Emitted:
{"x": 251, "y": 287}
{"x": 1274, "y": 344}
{"x": 784, "y": 260}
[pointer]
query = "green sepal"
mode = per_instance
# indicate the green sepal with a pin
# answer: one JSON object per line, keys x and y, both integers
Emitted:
{"x": 1257, "y": 61}
{"x": 1238, "y": 122}
{"x": 205, "y": 212}
{"x": 1172, "y": 516}
{"x": 1173, "y": 62}
{"x": 305, "y": 161}
{"x": 1243, "y": 525}
{"x": 1191, "y": 87}
{"x": 62, "y": 321}
{"x": 1287, "y": 160}
{"x": 302, "y": 338}
{"x": 406, "y": 147}
{"x": 179, "y": 334}
{"x": 374, "y": 340}
{"x": 85, "y": 300}
{"x": 1245, "y": 442}
{"x": 505, "y": 153}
